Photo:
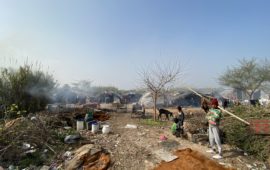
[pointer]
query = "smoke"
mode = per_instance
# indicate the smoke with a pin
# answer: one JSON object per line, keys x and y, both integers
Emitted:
{"x": 40, "y": 91}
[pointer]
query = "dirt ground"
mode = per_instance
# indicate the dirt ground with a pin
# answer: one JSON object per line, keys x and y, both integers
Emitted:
{"x": 135, "y": 148}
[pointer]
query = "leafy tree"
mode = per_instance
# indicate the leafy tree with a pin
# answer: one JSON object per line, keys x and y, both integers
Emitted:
{"x": 249, "y": 76}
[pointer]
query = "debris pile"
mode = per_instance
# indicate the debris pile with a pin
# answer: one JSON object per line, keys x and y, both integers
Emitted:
{"x": 39, "y": 138}
{"x": 196, "y": 126}
{"x": 25, "y": 141}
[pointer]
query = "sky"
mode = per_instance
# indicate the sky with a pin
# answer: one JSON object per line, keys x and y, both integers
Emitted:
{"x": 109, "y": 42}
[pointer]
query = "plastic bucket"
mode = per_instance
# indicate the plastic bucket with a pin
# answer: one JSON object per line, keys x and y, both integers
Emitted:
{"x": 106, "y": 129}
{"x": 95, "y": 127}
{"x": 89, "y": 124}
{"x": 80, "y": 124}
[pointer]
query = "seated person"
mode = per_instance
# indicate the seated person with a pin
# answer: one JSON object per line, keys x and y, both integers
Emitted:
{"x": 174, "y": 128}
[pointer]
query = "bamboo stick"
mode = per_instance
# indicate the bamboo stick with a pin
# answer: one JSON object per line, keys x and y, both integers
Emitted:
{"x": 242, "y": 120}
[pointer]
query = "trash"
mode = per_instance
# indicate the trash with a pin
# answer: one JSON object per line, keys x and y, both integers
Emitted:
{"x": 80, "y": 124}
{"x": 26, "y": 146}
{"x": 164, "y": 155}
{"x": 72, "y": 138}
{"x": 1, "y": 168}
{"x": 163, "y": 137}
{"x": 31, "y": 151}
{"x": 67, "y": 154}
{"x": 67, "y": 127}
{"x": 106, "y": 129}
{"x": 131, "y": 126}
{"x": 88, "y": 157}
{"x": 33, "y": 118}
{"x": 89, "y": 124}
{"x": 45, "y": 151}
{"x": 95, "y": 127}
{"x": 239, "y": 150}
{"x": 246, "y": 154}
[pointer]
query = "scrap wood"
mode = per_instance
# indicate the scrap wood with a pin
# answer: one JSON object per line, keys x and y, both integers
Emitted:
{"x": 101, "y": 163}
{"x": 90, "y": 157}
{"x": 50, "y": 148}
{"x": 242, "y": 120}
{"x": 12, "y": 122}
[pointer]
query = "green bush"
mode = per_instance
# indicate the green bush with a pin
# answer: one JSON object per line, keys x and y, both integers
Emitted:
{"x": 25, "y": 87}
{"x": 31, "y": 159}
{"x": 240, "y": 135}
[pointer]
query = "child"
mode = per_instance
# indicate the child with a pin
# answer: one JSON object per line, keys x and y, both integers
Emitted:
{"x": 174, "y": 127}
{"x": 177, "y": 127}
{"x": 181, "y": 118}
{"x": 214, "y": 115}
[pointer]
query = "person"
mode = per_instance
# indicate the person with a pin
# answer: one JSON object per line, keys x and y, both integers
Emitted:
{"x": 225, "y": 103}
{"x": 181, "y": 118}
{"x": 143, "y": 110}
{"x": 204, "y": 105}
{"x": 174, "y": 127}
{"x": 213, "y": 116}
{"x": 177, "y": 127}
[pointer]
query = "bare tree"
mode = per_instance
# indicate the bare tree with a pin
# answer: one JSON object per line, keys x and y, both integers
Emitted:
{"x": 159, "y": 78}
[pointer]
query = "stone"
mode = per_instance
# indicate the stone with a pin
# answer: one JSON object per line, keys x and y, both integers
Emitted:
{"x": 72, "y": 138}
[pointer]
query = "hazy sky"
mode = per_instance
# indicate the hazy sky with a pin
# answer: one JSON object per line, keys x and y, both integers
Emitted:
{"x": 110, "y": 41}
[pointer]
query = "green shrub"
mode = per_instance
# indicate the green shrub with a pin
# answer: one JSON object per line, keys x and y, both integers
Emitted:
{"x": 25, "y": 87}
{"x": 31, "y": 159}
{"x": 240, "y": 135}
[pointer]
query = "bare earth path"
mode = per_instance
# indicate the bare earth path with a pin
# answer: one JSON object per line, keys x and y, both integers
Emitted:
{"x": 134, "y": 148}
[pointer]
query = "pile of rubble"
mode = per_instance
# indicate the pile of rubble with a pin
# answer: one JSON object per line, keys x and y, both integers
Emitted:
{"x": 38, "y": 139}
{"x": 195, "y": 126}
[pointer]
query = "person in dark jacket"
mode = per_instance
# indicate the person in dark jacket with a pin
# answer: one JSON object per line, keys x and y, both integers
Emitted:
{"x": 179, "y": 125}
{"x": 181, "y": 116}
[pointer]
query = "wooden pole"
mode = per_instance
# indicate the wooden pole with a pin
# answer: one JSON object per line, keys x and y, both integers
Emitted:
{"x": 242, "y": 120}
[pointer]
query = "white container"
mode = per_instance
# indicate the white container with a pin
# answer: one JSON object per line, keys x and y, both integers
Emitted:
{"x": 80, "y": 125}
{"x": 95, "y": 127}
{"x": 106, "y": 129}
